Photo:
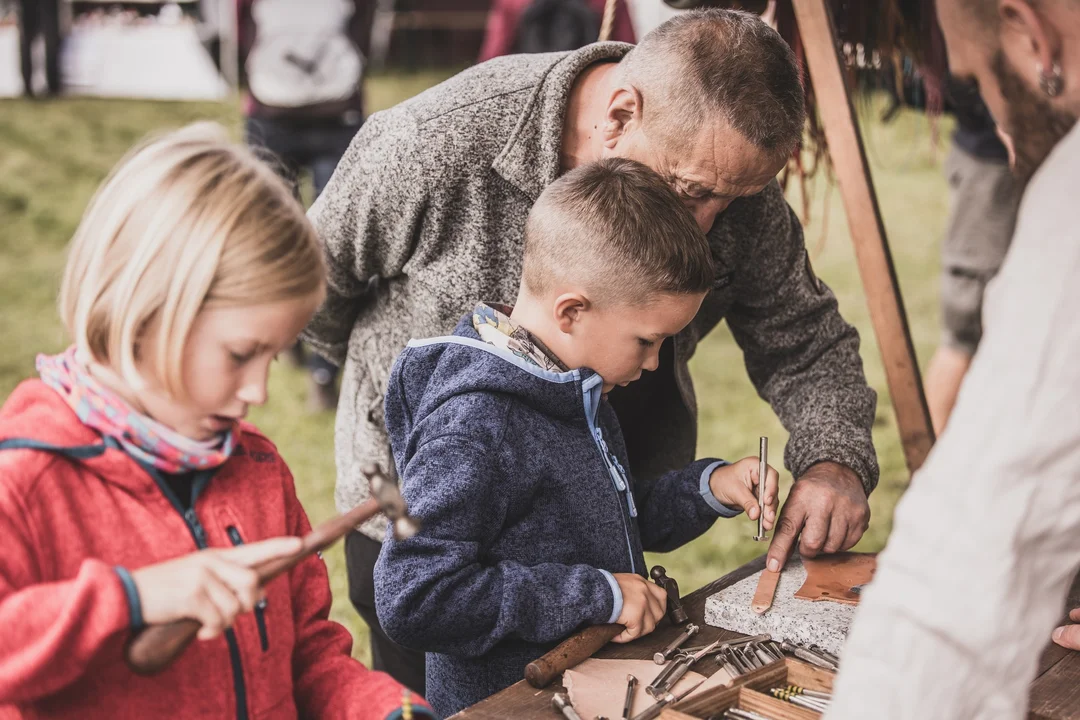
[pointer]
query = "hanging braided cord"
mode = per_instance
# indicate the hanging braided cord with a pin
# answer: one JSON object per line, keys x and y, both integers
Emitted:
{"x": 609, "y": 20}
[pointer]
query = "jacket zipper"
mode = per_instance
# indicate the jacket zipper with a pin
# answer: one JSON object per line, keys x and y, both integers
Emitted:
{"x": 198, "y": 533}
{"x": 620, "y": 487}
{"x": 260, "y": 609}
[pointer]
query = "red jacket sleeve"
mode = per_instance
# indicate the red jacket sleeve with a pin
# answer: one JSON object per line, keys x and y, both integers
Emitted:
{"x": 329, "y": 682}
{"x": 51, "y": 630}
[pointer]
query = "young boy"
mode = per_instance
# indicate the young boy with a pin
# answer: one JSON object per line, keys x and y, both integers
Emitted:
{"x": 513, "y": 458}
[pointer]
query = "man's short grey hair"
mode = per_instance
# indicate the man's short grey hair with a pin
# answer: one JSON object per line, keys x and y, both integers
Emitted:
{"x": 707, "y": 63}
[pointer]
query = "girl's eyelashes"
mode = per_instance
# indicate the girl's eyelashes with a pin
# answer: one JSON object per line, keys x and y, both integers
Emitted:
{"x": 645, "y": 343}
{"x": 241, "y": 358}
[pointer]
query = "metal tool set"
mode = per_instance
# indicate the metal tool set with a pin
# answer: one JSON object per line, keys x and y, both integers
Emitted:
{"x": 668, "y": 698}
{"x": 809, "y": 699}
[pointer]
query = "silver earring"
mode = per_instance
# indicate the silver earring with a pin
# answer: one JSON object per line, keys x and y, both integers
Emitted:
{"x": 1051, "y": 83}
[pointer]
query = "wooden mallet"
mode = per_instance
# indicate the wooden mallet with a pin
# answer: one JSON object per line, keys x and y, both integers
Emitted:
{"x": 156, "y": 647}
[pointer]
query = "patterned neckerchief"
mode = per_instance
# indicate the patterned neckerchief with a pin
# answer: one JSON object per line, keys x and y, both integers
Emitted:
{"x": 492, "y": 322}
{"x": 141, "y": 437}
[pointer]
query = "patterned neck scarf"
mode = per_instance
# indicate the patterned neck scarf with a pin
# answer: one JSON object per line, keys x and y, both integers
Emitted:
{"x": 492, "y": 322}
{"x": 143, "y": 438}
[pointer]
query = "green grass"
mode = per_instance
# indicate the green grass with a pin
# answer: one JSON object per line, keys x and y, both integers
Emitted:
{"x": 54, "y": 154}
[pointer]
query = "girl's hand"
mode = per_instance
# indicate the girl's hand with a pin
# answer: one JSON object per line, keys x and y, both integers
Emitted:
{"x": 211, "y": 586}
{"x": 735, "y": 485}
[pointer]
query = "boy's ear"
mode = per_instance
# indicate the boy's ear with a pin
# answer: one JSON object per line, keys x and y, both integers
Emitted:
{"x": 568, "y": 310}
{"x": 623, "y": 115}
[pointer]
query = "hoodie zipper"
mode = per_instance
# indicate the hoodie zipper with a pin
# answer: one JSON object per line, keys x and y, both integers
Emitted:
{"x": 260, "y": 608}
{"x": 598, "y": 437}
{"x": 618, "y": 475}
{"x": 198, "y": 533}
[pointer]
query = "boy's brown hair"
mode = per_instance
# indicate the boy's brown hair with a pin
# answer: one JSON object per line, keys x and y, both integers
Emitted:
{"x": 617, "y": 228}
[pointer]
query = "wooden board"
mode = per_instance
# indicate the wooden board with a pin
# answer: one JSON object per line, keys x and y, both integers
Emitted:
{"x": 521, "y": 702}
{"x": 1056, "y": 694}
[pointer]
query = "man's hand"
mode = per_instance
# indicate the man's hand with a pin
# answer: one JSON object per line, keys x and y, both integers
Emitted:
{"x": 828, "y": 507}
{"x": 1068, "y": 636}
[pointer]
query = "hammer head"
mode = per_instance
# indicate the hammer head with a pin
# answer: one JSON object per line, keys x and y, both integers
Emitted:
{"x": 384, "y": 489}
{"x": 675, "y": 611}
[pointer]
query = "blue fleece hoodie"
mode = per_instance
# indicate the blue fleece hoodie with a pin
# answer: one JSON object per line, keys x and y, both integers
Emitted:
{"x": 518, "y": 476}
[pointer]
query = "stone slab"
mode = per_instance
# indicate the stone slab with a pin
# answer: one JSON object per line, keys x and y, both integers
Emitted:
{"x": 821, "y": 623}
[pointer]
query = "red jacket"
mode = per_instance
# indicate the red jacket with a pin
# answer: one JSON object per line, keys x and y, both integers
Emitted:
{"x": 66, "y": 524}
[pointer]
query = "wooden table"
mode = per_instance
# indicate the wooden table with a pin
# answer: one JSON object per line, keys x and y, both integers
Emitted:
{"x": 1055, "y": 693}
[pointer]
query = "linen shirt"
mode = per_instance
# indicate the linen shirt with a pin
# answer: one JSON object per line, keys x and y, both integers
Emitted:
{"x": 987, "y": 540}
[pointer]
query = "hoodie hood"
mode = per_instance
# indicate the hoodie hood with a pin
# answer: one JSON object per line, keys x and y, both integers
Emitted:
{"x": 431, "y": 372}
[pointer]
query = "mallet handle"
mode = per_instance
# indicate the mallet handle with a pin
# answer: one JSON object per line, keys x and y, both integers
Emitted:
{"x": 574, "y": 650}
{"x": 155, "y": 648}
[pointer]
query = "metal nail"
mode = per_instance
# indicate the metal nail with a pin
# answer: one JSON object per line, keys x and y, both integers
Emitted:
{"x": 765, "y": 657}
{"x": 631, "y": 683}
{"x": 807, "y": 655}
{"x": 663, "y": 656}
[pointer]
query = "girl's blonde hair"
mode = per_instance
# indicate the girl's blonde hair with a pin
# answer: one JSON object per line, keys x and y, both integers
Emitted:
{"x": 186, "y": 221}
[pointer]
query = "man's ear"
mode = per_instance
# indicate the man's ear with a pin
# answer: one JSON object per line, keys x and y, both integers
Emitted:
{"x": 1029, "y": 30}
{"x": 569, "y": 309}
{"x": 623, "y": 115}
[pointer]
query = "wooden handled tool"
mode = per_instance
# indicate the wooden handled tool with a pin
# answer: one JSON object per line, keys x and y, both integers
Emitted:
{"x": 156, "y": 647}
{"x": 574, "y": 650}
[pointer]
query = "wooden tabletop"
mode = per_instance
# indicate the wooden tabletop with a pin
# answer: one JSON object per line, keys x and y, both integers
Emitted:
{"x": 1055, "y": 693}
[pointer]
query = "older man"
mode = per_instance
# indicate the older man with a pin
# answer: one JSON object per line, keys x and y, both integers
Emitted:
{"x": 426, "y": 212}
{"x": 987, "y": 540}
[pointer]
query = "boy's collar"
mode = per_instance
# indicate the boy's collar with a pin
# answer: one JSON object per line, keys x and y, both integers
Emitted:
{"x": 493, "y": 324}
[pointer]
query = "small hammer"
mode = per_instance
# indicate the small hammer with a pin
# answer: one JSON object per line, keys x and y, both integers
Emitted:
{"x": 676, "y": 613}
{"x": 580, "y": 647}
{"x": 156, "y": 647}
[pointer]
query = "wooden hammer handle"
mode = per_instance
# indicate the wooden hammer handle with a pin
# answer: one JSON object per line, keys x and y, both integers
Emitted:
{"x": 155, "y": 648}
{"x": 574, "y": 650}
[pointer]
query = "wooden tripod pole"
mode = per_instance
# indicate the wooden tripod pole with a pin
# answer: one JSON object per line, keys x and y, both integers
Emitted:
{"x": 867, "y": 230}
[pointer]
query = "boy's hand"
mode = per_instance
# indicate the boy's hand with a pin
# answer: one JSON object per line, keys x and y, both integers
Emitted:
{"x": 211, "y": 586}
{"x": 735, "y": 485}
{"x": 644, "y": 603}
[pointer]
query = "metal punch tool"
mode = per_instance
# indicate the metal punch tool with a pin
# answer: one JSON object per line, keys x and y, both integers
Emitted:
{"x": 666, "y": 654}
{"x": 679, "y": 669}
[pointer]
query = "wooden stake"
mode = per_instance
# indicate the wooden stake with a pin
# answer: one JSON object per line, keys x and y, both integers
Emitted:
{"x": 867, "y": 230}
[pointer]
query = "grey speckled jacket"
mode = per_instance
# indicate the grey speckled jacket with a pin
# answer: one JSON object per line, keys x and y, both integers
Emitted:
{"x": 425, "y": 216}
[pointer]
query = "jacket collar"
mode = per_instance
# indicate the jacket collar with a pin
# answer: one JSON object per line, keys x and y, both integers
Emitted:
{"x": 530, "y": 159}
{"x": 34, "y": 411}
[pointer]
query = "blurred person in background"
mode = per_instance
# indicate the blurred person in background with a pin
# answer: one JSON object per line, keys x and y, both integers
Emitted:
{"x": 531, "y": 26}
{"x": 40, "y": 18}
{"x": 303, "y": 64}
{"x": 986, "y": 541}
{"x": 982, "y": 215}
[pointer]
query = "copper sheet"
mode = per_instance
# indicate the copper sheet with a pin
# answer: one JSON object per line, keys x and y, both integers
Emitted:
{"x": 837, "y": 577}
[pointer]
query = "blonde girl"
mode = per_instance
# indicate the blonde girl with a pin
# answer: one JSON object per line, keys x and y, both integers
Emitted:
{"x": 133, "y": 492}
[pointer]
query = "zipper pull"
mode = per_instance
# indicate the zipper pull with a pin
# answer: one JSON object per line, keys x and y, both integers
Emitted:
{"x": 196, "y": 527}
{"x": 626, "y": 488}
